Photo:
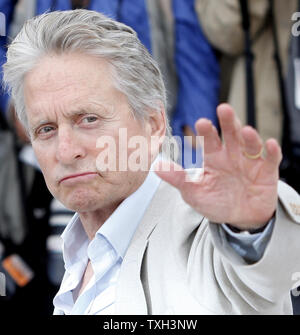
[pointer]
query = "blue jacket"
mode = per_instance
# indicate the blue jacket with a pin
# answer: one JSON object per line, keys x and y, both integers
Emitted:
{"x": 197, "y": 70}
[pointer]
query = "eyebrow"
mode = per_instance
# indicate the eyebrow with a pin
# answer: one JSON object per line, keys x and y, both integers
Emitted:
{"x": 72, "y": 114}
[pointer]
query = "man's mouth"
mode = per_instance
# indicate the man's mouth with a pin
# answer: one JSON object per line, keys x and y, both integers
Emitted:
{"x": 78, "y": 176}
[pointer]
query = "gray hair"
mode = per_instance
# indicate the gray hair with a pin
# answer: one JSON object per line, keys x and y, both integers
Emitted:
{"x": 135, "y": 72}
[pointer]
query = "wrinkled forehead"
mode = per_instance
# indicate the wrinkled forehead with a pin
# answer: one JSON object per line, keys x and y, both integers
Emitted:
{"x": 58, "y": 72}
{"x": 68, "y": 83}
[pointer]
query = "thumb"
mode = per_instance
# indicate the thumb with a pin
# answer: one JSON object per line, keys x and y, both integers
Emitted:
{"x": 171, "y": 172}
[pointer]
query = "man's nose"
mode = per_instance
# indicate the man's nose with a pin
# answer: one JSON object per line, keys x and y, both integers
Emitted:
{"x": 69, "y": 148}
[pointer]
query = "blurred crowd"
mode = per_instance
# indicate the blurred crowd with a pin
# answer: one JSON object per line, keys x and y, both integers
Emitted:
{"x": 210, "y": 51}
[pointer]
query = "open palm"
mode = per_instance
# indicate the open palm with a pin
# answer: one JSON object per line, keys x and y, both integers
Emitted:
{"x": 235, "y": 187}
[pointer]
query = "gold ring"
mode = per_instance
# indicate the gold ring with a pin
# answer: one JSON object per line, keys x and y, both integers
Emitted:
{"x": 254, "y": 156}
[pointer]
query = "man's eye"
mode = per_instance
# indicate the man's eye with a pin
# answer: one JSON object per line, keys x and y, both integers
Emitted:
{"x": 45, "y": 130}
{"x": 89, "y": 119}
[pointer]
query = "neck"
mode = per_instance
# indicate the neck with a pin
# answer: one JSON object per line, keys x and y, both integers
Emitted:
{"x": 92, "y": 221}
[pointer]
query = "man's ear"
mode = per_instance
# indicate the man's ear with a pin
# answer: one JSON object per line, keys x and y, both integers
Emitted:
{"x": 156, "y": 129}
{"x": 157, "y": 122}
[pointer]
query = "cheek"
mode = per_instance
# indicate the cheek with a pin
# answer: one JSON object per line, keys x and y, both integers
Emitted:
{"x": 44, "y": 159}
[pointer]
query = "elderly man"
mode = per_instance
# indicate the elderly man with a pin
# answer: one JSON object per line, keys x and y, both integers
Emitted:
{"x": 223, "y": 244}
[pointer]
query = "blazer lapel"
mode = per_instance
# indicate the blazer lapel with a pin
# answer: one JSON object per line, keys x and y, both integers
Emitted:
{"x": 130, "y": 295}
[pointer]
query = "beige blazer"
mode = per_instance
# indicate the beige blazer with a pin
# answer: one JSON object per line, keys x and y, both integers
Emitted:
{"x": 179, "y": 263}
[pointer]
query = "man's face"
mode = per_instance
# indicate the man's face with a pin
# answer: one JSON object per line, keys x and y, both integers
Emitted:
{"x": 71, "y": 102}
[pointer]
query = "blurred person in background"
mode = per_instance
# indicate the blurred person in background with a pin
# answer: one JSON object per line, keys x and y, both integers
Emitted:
{"x": 269, "y": 23}
{"x": 190, "y": 69}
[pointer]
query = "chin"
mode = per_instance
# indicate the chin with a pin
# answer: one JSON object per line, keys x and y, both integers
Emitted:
{"x": 82, "y": 201}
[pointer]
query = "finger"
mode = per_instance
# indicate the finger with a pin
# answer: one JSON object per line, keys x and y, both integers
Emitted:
{"x": 273, "y": 156}
{"x": 231, "y": 128}
{"x": 212, "y": 141}
{"x": 252, "y": 141}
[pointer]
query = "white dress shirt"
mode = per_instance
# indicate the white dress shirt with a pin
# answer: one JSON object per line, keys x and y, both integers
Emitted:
{"x": 107, "y": 250}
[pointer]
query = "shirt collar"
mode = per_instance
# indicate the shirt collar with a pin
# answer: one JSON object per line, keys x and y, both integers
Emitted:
{"x": 118, "y": 229}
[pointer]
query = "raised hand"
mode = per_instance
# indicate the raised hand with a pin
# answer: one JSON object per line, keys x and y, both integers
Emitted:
{"x": 238, "y": 185}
